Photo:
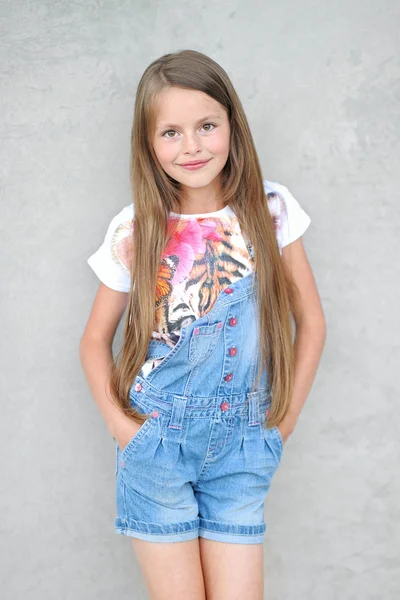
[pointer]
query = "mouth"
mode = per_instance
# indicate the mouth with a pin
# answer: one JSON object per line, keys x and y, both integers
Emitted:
{"x": 196, "y": 164}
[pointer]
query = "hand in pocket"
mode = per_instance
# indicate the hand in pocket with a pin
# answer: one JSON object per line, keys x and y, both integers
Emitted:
{"x": 126, "y": 431}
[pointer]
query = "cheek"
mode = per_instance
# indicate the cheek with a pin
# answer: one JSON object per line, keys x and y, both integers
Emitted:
{"x": 162, "y": 155}
{"x": 165, "y": 153}
{"x": 219, "y": 144}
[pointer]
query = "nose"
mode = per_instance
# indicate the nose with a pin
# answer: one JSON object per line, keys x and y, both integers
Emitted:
{"x": 191, "y": 143}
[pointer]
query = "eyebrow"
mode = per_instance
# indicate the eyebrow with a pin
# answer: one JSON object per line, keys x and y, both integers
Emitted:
{"x": 172, "y": 126}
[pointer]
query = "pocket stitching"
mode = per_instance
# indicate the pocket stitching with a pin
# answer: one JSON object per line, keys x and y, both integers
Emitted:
{"x": 214, "y": 332}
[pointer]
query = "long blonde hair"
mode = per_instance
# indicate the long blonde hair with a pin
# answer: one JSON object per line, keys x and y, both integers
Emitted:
{"x": 155, "y": 194}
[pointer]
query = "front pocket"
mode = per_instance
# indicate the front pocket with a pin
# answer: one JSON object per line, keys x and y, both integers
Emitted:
{"x": 273, "y": 439}
{"x": 203, "y": 341}
{"x": 133, "y": 442}
{"x": 279, "y": 436}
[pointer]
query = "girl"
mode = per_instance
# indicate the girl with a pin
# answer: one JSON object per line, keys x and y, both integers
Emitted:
{"x": 208, "y": 385}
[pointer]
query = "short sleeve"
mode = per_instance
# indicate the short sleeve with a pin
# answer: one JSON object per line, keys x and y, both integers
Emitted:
{"x": 290, "y": 219}
{"x": 111, "y": 262}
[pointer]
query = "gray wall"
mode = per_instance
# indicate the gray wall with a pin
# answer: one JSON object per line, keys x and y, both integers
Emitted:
{"x": 320, "y": 84}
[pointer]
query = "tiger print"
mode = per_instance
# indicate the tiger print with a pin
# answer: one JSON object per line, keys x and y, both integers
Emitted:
{"x": 203, "y": 256}
{"x": 214, "y": 254}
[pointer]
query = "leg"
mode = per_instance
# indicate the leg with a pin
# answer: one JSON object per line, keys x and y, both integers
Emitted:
{"x": 232, "y": 571}
{"x": 171, "y": 570}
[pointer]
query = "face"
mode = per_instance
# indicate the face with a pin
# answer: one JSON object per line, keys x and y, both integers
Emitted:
{"x": 191, "y": 126}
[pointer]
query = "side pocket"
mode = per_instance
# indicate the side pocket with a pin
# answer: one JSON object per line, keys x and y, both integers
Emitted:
{"x": 278, "y": 434}
{"x": 273, "y": 440}
{"x": 133, "y": 442}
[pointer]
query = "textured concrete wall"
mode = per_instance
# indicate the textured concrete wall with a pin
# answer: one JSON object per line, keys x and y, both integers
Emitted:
{"x": 320, "y": 84}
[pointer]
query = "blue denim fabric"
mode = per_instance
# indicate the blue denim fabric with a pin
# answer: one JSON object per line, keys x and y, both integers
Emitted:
{"x": 202, "y": 463}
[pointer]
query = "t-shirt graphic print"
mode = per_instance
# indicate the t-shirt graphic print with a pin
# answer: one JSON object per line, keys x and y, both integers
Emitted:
{"x": 206, "y": 253}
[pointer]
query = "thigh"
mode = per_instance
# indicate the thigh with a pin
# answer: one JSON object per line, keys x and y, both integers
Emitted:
{"x": 171, "y": 570}
{"x": 232, "y": 571}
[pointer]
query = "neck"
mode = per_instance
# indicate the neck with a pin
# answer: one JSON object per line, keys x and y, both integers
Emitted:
{"x": 200, "y": 200}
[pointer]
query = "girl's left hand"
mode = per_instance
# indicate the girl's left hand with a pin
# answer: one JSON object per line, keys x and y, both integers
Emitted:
{"x": 286, "y": 428}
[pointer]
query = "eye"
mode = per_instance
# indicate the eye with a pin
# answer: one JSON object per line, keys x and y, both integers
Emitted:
{"x": 165, "y": 134}
{"x": 169, "y": 131}
{"x": 206, "y": 124}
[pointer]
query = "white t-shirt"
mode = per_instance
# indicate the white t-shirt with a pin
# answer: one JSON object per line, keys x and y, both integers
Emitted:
{"x": 112, "y": 267}
{"x": 205, "y": 255}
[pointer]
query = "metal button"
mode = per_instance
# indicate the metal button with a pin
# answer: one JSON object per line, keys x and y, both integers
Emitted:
{"x": 232, "y": 321}
{"x": 138, "y": 387}
{"x": 224, "y": 405}
{"x": 228, "y": 377}
{"x": 232, "y": 351}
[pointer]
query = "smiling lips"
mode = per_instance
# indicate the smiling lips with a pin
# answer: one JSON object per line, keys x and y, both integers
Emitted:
{"x": 194, "y": 164}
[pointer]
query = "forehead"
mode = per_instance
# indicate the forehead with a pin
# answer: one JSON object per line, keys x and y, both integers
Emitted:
{"x": 179, "y": 105}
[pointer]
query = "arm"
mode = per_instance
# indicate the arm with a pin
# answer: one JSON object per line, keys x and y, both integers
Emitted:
{"x": 95, "y": 352}
{"x": 310, "y": 331}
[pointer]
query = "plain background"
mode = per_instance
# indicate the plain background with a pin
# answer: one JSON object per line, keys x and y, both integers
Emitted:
{"x": 320, "y": 85}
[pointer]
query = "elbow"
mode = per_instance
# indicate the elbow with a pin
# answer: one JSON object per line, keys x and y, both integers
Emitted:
{"x": 84, "y": 344}
{"x": 319, "y": 328}
{"x": 91, "y": 341}
{"x": 315, "y": 326}
{"x": 323, "y": 333}
{"x": 81, "y": 348}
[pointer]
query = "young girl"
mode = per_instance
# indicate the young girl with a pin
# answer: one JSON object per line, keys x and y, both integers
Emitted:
{"x": 208, "y": 384}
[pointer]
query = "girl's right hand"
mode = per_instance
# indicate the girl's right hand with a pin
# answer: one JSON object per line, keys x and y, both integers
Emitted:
{"x": 125, "y": 431}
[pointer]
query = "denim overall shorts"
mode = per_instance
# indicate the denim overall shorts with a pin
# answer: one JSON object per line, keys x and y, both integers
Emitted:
{"x": 202, "y": 463}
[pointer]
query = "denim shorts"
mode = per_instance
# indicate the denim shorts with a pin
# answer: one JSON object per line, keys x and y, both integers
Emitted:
{"x": 198, "y": 468}
{"x": 202, "y": 462}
